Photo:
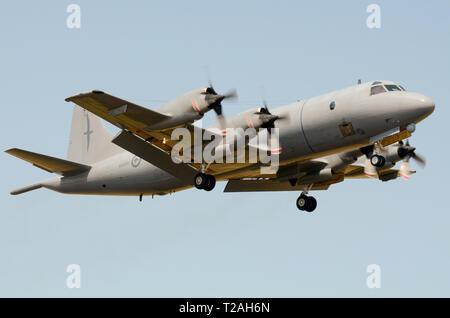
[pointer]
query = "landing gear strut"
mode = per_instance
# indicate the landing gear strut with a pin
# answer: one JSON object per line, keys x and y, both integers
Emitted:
{"x": 204, "y": 181}
{"x": 306, "y": 203}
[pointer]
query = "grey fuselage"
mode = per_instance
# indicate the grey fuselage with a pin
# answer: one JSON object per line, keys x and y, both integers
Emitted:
{"x": 331, "y": 123}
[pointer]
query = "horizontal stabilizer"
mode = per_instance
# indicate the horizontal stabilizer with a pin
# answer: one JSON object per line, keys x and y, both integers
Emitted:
{"x": 50, "y": 164}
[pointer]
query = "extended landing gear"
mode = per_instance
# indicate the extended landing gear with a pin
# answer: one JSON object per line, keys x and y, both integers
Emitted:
{"x": 377, "y": 161}
{"x": 204, "y": 181}
{"x": 306, "y": 203}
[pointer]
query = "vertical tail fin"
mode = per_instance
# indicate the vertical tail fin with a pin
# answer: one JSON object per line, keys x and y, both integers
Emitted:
{"x": 89, "y": 142}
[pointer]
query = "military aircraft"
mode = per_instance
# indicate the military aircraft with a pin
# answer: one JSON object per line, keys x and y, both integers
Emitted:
{"x": 356, "y": 132}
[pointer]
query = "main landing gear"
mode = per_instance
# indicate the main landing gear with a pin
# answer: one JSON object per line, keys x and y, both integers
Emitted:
{"x": 204, "y": 181}
{"x": 306, "y": 203}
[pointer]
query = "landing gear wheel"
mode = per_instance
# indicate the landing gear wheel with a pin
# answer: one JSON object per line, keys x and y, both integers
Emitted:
{"x": 311, "y": 204}
{"x": 200, "y": 180}
{"x": 377, "y": 161}
{"x": 302, "y": 202}
{"x": 211, "y": 182}
{"x": 306, "y": 203}
{"x": 204, "y": 181}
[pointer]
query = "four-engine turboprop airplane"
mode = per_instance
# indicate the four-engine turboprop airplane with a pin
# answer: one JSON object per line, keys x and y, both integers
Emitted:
{"x": 355, "y": 132}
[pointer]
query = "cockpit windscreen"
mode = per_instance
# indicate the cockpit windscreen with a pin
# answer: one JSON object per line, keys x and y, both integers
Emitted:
{"x": 392, "y": 88}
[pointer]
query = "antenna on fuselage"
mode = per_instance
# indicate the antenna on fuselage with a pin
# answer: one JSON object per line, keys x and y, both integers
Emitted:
{"x": 359, "y": 82}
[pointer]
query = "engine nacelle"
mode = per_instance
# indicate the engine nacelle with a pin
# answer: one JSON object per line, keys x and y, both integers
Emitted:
{"x": 187, "y": 108}
{"x": 394, "y": 153}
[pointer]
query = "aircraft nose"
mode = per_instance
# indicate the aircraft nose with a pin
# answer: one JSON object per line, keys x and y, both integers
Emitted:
{"x": 425, "y": 105}
{"x": 419, "y": 106}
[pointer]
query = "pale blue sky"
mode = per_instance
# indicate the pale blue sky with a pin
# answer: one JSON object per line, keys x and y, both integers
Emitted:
{"x": 196, "y": 243}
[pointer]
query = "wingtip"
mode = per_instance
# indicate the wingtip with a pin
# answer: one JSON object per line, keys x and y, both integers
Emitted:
{"x": 10, "y": 150}
{"x": 95, "y": 91}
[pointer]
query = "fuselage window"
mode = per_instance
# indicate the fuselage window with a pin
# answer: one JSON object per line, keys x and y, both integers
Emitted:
{"x": 392, "y": 88}
{"x": 332, "y": 105}
{"x": 377, "y": 90}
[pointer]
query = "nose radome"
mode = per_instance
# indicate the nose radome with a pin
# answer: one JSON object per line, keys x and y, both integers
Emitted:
{"x": 426, "y": 105}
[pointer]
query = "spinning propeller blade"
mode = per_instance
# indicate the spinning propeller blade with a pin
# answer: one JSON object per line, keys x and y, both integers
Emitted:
{"x": 215, "y": 100}
{"x": 407, "y": 152}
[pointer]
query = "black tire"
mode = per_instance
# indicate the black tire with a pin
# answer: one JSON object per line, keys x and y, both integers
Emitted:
{"x": 211, "y": 183}
{"x": 311, "y": 204}
{"x": 374, "y": 160}
{"x": 200, "y": 180}
{"x": 302, "y": 202}
{"x": 377, "y": 161}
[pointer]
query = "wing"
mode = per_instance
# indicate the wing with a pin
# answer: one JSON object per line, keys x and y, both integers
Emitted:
{"x": 155, "y": 156}
{"x": 119, "y": 112}
{"x": 141, "y": 121}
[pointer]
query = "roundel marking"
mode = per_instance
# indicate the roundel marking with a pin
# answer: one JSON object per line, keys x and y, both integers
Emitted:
{"x": 135, "y": 161}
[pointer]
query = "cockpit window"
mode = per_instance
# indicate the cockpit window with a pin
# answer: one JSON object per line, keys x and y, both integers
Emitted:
{"x": 403, "y": 89}
{"x": 377, "y": 90}
{"x": 392, "y": 88}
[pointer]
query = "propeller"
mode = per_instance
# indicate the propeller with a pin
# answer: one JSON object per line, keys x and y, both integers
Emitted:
{"x": 268, "y": 121}
{"x": 406, "y": 152}
{"x": 267, "y": 118}
{"x": 215, "y": 102}
{"x": 214, "y": 99}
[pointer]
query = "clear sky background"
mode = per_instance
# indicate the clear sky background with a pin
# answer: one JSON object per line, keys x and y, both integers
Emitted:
{"x": 200, "y": 244}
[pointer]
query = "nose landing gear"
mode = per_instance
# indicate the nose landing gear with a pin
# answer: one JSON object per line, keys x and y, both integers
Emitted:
{"x": 377, "y": 161}
{"x": 306, "y": 203}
